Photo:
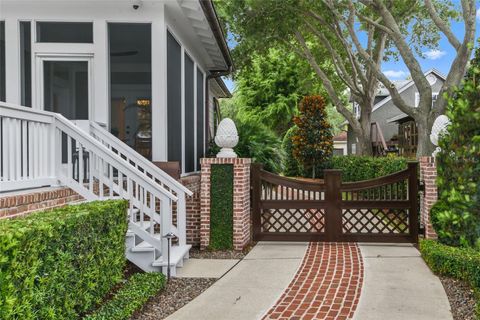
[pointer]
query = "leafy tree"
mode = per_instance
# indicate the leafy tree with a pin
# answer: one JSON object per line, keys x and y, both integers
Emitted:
{"x": 291, "y": 166}
{"x": 270, "y": 89}
{"x": 256, "y": 141}
{"x": 354, "y": 38}
{"x": 456, "y": 216}
{"x": 312, "y": 142}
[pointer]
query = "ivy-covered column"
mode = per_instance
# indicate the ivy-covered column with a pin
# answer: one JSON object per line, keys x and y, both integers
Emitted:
{"x": 225, "y": 203}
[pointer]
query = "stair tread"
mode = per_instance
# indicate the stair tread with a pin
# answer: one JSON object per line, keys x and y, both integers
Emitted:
{"x": 177, "y": 253}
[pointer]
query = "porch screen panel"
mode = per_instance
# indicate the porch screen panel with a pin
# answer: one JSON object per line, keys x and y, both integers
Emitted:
{"x": 130, "y": 46}
{"x": 2, "y": 60}
{"x": 189, "y": 147}
{"x": 200, "y": 117}
{"x": 26, "y": 62}
{"x": 174, "y": 99}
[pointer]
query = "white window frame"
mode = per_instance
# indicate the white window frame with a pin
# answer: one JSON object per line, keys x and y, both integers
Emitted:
{"x": 40, "y": 58}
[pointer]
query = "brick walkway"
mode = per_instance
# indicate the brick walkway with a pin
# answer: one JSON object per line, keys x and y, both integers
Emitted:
{"x": 327, "y": 285}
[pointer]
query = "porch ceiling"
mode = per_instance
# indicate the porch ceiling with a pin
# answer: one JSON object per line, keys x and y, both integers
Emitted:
{"x": 199, "y": 32}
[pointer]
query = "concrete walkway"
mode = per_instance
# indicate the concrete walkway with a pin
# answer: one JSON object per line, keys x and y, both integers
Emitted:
{"x": 206, "y": 268}
{"x": 251, "y": 287}
{"x": 398, "y": 285}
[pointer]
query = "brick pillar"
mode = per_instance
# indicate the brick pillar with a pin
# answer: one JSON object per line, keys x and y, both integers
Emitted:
{"x": 428, "y": 174}
{"x": 241, "y": 200}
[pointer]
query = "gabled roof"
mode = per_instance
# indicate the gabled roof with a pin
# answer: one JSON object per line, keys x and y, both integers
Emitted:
{"x": 406, "y": 86}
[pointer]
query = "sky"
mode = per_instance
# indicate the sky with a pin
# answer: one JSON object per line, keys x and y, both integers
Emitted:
{"x": 440, "y": 58}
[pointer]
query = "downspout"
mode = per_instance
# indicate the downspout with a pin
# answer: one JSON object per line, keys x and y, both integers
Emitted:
{"x": 212, "y": 18}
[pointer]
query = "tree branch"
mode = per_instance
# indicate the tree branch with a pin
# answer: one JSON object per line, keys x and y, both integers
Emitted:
{"x": 442, "y": 25}
{"x": 338, "y": 61}
{"x": 327, "y": 83}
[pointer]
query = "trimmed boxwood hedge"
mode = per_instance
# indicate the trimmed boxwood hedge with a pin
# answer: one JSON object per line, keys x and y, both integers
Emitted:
{"x": 131, "y": 297}
{"x": 357, "y": 168}
{"x": 60, "y": 263}
{"x": 458, "y": 263}
{"x": 221, "y": 207}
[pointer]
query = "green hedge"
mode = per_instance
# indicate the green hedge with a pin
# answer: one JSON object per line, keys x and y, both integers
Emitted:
{"x": 59, "y": 264}
{"x": 459, "y": 263}
{"x": 131, "y": 297}
{"x": 221, "y": 207}
{"x": 357, "y": 168}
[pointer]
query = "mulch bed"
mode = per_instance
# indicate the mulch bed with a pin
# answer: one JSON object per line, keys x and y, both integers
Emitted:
{"x": 179, "y": 292}
{"x": 461, "y": 297}
{"x": 196, "y": 253}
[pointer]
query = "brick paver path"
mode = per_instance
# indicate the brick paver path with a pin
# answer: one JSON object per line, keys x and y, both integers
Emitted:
{"x": 327, "y": 285}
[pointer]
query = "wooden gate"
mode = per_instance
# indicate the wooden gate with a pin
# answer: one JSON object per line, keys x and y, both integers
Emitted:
{"x": 384, "y": 209}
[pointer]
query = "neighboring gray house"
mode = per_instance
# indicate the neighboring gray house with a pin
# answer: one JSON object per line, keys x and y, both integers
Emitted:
{"x": 397, "y": 129}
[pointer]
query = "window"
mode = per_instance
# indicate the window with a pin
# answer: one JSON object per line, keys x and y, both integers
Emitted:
{"x": 66, "y": 88}
{"x": 2, "y": 61}
{"x": 66, "y": 32}
{"x": 189, "y": 147}
{"x": 434, "y": 98}
{"x": 174, "y": 99}
{"x": 131, "y": 85}
{"x": 26, "y": 62}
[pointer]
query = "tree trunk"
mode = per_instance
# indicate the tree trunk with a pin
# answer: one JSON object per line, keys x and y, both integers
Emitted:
{"x": 424, "y": 146}
{"x": 364, "y": 143}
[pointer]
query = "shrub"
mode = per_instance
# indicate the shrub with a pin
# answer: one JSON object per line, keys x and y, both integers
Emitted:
{"x": 313, "y": 141}
{"x": 357, "y": 168}
{"x": 459, "y": 165}
{"x": 131, "y": 297}
{"x": 459, "y": 263}
{"x": 291, "y": 166}
{"x": 60, "y": 263}
{"x": 221, "y": 207}
{"x": 258, "y": 142}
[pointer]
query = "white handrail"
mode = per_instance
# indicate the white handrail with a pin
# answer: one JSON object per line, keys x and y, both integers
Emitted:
{"x": 139, "y": 161}
{"x": 41, "y": 147}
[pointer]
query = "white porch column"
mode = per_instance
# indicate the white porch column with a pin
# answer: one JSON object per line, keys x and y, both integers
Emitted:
{"x": 159, "y": 88}
{"x": 12, "y": 61}
{"x": 100, "y": 94}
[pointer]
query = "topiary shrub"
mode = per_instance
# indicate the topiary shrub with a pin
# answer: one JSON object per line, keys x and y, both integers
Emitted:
{"x": 458, "y": 165}
{"x": 291, "y": 166}
{"x": 357, "y": 168}
{"x": 60, "y": 263}
{"x": 313, "y": 140}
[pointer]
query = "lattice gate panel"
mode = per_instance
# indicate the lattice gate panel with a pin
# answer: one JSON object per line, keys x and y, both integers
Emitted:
{"x": 292, "y": 220}
{"x": 375, "y": 221}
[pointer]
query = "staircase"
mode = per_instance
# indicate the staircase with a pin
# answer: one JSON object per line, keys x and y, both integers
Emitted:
{"x": 379, "y": 145}
{"x": 40, "y": 148}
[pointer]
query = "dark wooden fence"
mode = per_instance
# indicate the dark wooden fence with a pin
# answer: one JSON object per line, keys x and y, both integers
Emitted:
{"x": 379, "y": 210}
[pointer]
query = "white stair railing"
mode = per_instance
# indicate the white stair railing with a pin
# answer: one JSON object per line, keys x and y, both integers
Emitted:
{"x": 43, "y": 148}
{"x": 150, "y": 170}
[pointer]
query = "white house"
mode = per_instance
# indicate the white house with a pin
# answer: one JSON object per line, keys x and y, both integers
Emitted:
{"x": 142, "y": 69}
{"x": 92, "y": 91}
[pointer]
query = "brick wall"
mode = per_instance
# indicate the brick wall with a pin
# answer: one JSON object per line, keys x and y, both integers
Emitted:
{"x": 22, "y": 203}
{"x": 193, "y": 209}
{"x": 241, "y": 200}
{"x": 428, "y": 174}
